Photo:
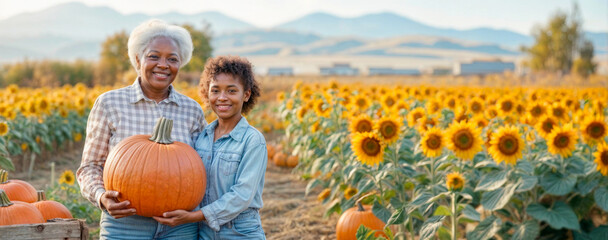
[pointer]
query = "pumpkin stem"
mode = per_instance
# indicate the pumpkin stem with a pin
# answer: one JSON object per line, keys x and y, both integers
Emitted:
{"x": 3, "y": 176}
{"x": 360, "y": 207}
{"x": 41, "y": 196}
{"x": 4, "y": 201}
{"x": 162, "y": 131}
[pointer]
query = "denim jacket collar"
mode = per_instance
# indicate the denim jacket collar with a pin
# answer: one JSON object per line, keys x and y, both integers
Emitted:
{"x": 137, "y": 94}
{"x": 237, "y": 133}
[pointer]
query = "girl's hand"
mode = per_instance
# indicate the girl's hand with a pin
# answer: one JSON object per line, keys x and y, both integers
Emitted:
{"x": 179, "y": 217}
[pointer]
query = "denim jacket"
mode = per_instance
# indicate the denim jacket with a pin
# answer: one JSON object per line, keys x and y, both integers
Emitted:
{"x": 235, "y": 165}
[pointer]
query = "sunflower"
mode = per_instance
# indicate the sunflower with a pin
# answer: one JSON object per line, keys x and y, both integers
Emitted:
{"x": 360, "y": 102}
{"x": 388, "y": 128}
{"x": 460, "y": 115}
{"x": 594, "y": 129}
{"x": 77, "y": 137}
{"x": 289, "y": 104}
{"x": 432, "y": 142}
{"x": 361, "y": 123}
{"x": 480, "y": 121}
{"x": 321, "y": 109}
{"x": 302, "y": 112}
{"x": 425, "y": 122}
{"x": 433, "y": 106}
{"x": 464, "y": 139}
{"x": 559, "y": 111}
{"x": 3, "y": 128}
{"x": 388, "y": 101}
{"x": 491, "y": 112}
{"x": 505, "y": 106}
{"x": 506, "y": 145}
{"x": 368, "y": 148}
{"x": 520, "y": 109}
{"x": 536, "y": 110}
{"x": 545, "y": 125}
{"x": 601, "y": 158}
{"x": 67, "y": 177}
{"x": 349, "y": 192}
{"x": 280, "y": 96}
{"x": 452, "y": 102}
{"x": 454, "y": 181}
{"x": 562, "y": 140}
{"x": 324, "y": 194}
{"x": 414, "y": 115}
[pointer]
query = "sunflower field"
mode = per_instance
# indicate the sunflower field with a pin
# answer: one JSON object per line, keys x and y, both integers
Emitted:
{"x": 455, "y": 162}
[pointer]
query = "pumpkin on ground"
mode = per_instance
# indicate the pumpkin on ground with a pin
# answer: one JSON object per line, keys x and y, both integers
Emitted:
{"x": 292, "y": 161}
{"x": 280, "y": 159}
{"x": 156, "y": 174}
{"x": 351, "y": 219}
{"x": 271, "y": 151}
{"x": 17, "y": 190}
{"x": 17, "y": 212}
{"x": 51, "y": 209}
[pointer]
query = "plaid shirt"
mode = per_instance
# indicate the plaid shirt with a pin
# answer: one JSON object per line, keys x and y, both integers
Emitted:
{"x": 125, "y": 112}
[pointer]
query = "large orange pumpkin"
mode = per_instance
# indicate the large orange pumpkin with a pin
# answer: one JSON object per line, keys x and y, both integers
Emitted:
{"x": 17, "y": 212}
{"x": 51, "y": 209}
{"x": 17, "y": 190}
{"x": 351, "y": 219}
{"x": 156, "y": 174}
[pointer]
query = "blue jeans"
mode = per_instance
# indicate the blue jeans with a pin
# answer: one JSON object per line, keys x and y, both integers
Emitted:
{"x": 246, "y": 225}
{"x": 138, "y": 227}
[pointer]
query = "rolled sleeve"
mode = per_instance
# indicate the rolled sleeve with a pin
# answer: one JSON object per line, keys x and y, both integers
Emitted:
{"x": 248, "y": 181}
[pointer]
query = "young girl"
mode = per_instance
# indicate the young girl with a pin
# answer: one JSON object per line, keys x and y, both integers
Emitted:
{"x": 234, "y": 154}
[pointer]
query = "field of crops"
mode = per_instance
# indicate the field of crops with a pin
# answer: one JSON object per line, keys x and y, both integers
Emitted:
{"x": 432, "y": 159}
{"x": 453, "y": 162}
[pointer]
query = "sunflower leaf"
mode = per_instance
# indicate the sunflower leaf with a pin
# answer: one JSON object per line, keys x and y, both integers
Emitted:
{"x": 418, "y": 201}
{"x": 492, "y": 181}
{"x": 430, "y": 226}
{"x": 6, "y": 163}
{"x": 558, "y": 184}
{"x": 526, "y": 183}
{"x": 486, "y": 229}
{"x": 586, "y": 186}
{"x": 601, "y": 198}
{"x": 529, "y": 230}
{"x": 559, "y": 216}
{"x": 442, "y": 210}
{"x": 381, "y": 212}
{"x": 498, "y": 198}
{"x": 470, "y": 213}
{"x": 398, "y": 217}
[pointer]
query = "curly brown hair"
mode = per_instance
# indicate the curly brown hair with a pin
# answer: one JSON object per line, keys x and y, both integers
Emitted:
{"x": 239, "y": 68}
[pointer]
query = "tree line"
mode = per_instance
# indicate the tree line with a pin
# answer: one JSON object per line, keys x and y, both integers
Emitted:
{"x": 113, "y": 66}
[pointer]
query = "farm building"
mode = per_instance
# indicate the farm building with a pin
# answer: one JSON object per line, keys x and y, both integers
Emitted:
{"x": 280, "y": 71}
{"x": 483, "y": 67}
{"x": 392, "y": 71}
{"x": 339, "y": 69}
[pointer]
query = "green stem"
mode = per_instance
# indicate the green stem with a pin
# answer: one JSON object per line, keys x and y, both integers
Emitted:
{"x": 4, "y": 201}
{"x": 454, "y": 223}
{"x": 162, "y": 131}
{"x": 3, "y": 176}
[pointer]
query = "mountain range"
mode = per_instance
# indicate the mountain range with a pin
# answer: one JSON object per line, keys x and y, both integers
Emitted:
{"x": 75, "y": 30}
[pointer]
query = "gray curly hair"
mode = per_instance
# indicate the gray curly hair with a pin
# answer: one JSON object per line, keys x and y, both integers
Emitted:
{"x": 143, "y": 34}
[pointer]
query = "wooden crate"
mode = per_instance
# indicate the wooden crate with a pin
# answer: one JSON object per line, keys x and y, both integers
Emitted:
{"x": 64, "y": 229}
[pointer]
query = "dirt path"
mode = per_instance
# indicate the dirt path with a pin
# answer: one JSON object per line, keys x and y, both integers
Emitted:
{"x": 287, "y": 213}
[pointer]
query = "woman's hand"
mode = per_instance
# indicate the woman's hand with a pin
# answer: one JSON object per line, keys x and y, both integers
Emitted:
{"x": 116, "y": 209}
{"x": 179, "y": 217}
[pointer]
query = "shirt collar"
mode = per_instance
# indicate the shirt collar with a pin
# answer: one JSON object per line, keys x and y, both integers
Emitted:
{"x": 237, "y": 133}
{"x": 138, "y": 94}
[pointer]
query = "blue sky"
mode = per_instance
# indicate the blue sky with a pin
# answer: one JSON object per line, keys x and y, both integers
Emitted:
{"x": 515, "y": 15}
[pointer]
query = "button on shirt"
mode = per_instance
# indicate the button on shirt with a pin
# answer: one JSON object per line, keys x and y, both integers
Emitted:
{"x": 235, "y": 165}
{"x": 125, "y": 112}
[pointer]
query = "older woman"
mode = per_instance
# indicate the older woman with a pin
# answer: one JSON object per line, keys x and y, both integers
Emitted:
{"x": 157, "y": 51}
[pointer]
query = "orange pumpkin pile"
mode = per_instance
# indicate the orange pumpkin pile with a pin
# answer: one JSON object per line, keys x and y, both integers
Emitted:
{"x": 277, "y": 155}
{"x": 18, "y": 207}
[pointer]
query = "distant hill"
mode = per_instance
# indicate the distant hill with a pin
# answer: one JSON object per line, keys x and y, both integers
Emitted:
{"x": 74, "y": 30}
